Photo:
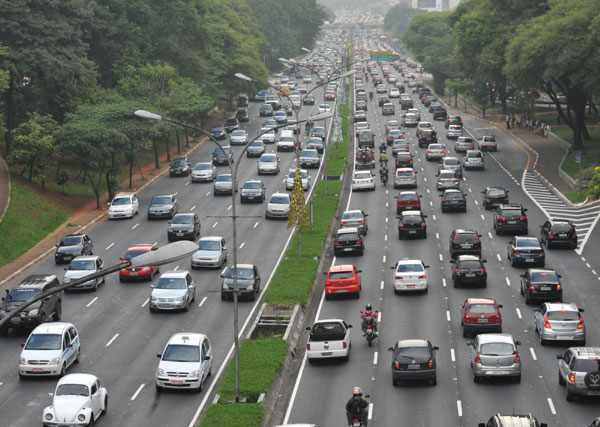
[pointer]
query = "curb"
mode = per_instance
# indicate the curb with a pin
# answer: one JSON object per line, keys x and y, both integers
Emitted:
{"x": 4, "y": 166}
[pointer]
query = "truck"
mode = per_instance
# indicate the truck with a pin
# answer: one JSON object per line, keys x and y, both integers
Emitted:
{"x": 329, "y": 338}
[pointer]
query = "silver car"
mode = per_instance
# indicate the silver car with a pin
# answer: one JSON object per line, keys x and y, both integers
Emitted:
{"x": 268, "y": 163}
{"x": 223, "y": 184}
{"x": 238, "y": 137}
{"x": 309, "y": 159}
{"x": 473, "y": 160}
{"x": 289, "y": 182}
{"x": 560, "y": 322}
{"x": 278, "y": 206}
{"x": 388, "y": 109}
{"x": 409, "y": 119}
{"x": 451, "y": 164}
{"x": 163, "y": 206}
{"x": 212, "y": 252}
{"x": 256, "y": 149}
{"x": 488, "y": 143}
{"x": 495, "y": 355}
{"x": 454, "y": 132}
{"x": 174, "y": 290}
{"x": 464, "y": 143}
{"x": 405, "y": 177}
{"x": 267, "y": 135}
{"x": 447, "y": 179}
{"x": 435, "y": 151}
{"x": 82, "y": 266}
{"x": 416, "y": 112}
{"x": 203, "y": 172}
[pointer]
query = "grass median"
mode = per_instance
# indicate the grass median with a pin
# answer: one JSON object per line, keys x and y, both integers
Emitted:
{"x": 588, "y": 162}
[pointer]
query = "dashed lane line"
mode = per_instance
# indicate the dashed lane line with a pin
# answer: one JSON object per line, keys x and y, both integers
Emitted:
{"x": 202, "y": 302}
{"x": 507, "y": 281}
{"x": 137, "y": 392}
{"x": 109, "y": 246}
{"x": 135, "y": 226}
{"x": 533, "y": 355}
{"x": 91, "y": 302}
{"x": 111, "y": 340}
{"x": 146, "y": 302}
{"x": 519, "y": 315}
{"x": 551, "y": 405}
{"x": 375, "y": 357}
{"x": 499, "y": 257}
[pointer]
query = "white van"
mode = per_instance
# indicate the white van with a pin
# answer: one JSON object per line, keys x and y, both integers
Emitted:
{"x": 286, "y": 140}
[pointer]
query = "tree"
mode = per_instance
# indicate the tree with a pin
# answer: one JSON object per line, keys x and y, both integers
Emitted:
{"x": 298, "y": 217}
{"x": 33, "y": 145}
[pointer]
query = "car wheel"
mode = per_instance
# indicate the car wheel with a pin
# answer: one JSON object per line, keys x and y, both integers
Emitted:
{"x": 476, "y": 379}
{"x": 63, "y": 370}
{"x": 347, "y": 357}
{"x": 395, "y": 382}
{"x": 78, "y": 358}
{"x": 465, "y": 333}
{"x": 95, "y": 285}
{"x": 542, "y": 340}
{"x": 57, "y": 311}
{"x": 105, "y": 409}
{"x": 526, "y": 231}
{"x": 497, "y": 231}
{"x": 561, "y": 380}
{"x": 159, "y": 388}
{"x": 328, "y": 297}
{"x": 92, "y": 422}
{"x": 527, "y": 299}
{"x": 522, "y": 293}
{"x": 513, "y": 262}
{"x": 187, "y": 306}
{"x": 517, "y": 379}
{"x": 456, "y": 283}
{"x": 484, "y": 284}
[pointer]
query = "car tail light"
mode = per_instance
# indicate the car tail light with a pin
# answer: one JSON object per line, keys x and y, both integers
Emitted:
{"x": 444, "y": 200}
{"x": 422, "y": 225}
{"x": 428, "y": 151}
{"x": 550, "y": 234}
{"x": 443, "y": 151}
{"x": 368, "y": 326}
{"x": 396, "y": 365}
{"x": 501, "y": 218}
{"x": 523, "y": 218}
{"x": 487, "y": 199}
{"x": 336, "y": 243}
{"x": 439, "y": 179}
{"x": 542, "y": 252}
{"x": 400, "y": 225}
{"x": 430, "y": 364}
{"x": 572, "y": 377}
{"x": 558, "y": 287}
{"x": 516, "y": 253}
{"x": 423, "y": 276}
{"x": 580, "y": 324}
{"x": 517, "y": 358}
{"x": 478, "y": 358}
{"x": 343, "y": 222}
{"x": 362, "y": 221}
{"x": 308, "y": 346}
{"x": 464, "y": 199}
{"x": 345, "y": 345}
{"x": 398, "y": 277}
{"x": 482, "y": 270}
{"x": 457, "y": 179}
{"x": 547, "y": 323}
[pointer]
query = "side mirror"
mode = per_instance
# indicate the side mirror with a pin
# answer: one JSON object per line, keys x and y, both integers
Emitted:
{"x": 207, "y": 357}
{"x": 349, "y": 326}
{"x": 581, "y": 310}
{"x": 559, "y": 276}
{"x": 543, "y": 425}
{"x": 56, "y": 245}
{"x": 436, "y": 348}
{"x": 158, "y": 355}
{"x": 151, "y": 286}
{"x": 521, "y": 275}
{"x": 425, "y": 216}
{"x": 517, "y": 342}
{"x": 481, "y": 425}
{"x": 46, "y": 299}
{"x": 22, "y": 344}
{"x": 65, "y": 268}
{"x": 559, "y": 357}
{"x": 483, "y": 261}
{"x": 500, "y": 306}
{"x": 308, "y": 328}
{"x": 470, "y": 343}
{"x": 479, "y": 235}
{"x": 359, "y": 271}
{"x": 390, "y": 348}
{"x": 452, "y": 261}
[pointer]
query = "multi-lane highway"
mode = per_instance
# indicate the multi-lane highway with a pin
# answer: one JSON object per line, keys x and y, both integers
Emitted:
{"x": 119, "y": 336}
{"x": 322, "y": 389}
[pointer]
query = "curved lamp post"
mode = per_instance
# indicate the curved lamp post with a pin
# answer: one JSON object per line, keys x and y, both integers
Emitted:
{"x": 233, "y": 171}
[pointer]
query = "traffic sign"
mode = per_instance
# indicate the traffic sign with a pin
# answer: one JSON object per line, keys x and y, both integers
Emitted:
{"x": 381, "y": 55}
{"x": 577, "y": 159}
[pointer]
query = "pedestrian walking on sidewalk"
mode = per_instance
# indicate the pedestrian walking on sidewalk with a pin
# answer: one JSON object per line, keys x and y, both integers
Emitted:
{"x": 508, "y": 121}
{"x": 512, "y": 121}
{"x": 547, "y": 131}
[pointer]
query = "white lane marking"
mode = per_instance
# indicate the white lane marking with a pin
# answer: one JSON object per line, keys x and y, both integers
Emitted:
{"x": 382, "y": 284}
{"x": 193, "y": 207}
{"x": 482, "y": 217}
{"x": 441, "y": 257}
{"x": 202, "y": 302}
{"x": 379, "y": 316}
{"x": 464, "y": 178}
{"x": 384, "y": 258}
{"x": 385, "y": 238}
{"x": 187, "y": 183}
{"x": 551, "y": 405}
{"x": 137, "y": 392}
{"x": 255, "y": 225}
{"x": 437, "y": 235}
{"x": 111, "y": 340}
{"x": 443, "y": 282}
{"x": 594, "y": 272}
{"x": 386, "y": 219}
{"x": 425, "y": 179}
{"x": 434, "y": 218}
{"x": 242, "y": 245}
{"x": 583, "y": 259}
{"x": 215, "y": 224}
{"x": 532, "y": 351}
{"x": 146, "y": 302}
{"x": 176, "y": 268}
{"x": 109, "y": 246}
{"x": 135, "y": 226}
{"x": 428, "y": 191}
{"x": 470, "y": 191}
{"x": 229, "y": 207}
{"x": 448, "y": 316}
{"x": 476, "y": 202}
{"x": 452, "y": 355}
{"x": 507, "y": 281}
{"x": 155, "y": 243}
{"x": 208, "y": 194}
{"x": 587, "y": 264}
{"x": 489, "y": 235}
{"x": 375, "y": 356}
{"x": 430, "y": 203}
{"x": 370, "y": 416}
{"x": 459, "y": 408}
{"x": 224, "y": 270}
{"x": 499, "y": 257}
{"x": 175, "y": 194}
{"x": 519, "y": 315}
{"x": 387, "y": 204}
{"x": 92, "y": 301}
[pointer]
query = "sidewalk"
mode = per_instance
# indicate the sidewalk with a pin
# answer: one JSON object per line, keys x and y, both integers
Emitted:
{"x": 4, "y": 188}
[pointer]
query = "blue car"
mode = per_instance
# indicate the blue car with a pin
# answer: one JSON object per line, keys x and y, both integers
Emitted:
{"x": 218, "y": 132}
{"x": 526, "y": 250}
{"x": 266, "y": 110}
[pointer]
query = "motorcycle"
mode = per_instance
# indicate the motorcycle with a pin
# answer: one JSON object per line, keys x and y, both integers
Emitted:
{"x": 371, "y": 96}
{"x": 384, "y": 179}
{"x": 369, "y": 327}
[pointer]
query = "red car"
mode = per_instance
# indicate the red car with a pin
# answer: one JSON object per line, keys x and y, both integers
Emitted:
{"x": 479, "y": 315}
{"x": 408, "y": 201}
{"x": 135, "y": 273}
{"x": 342, "y": 279}
{"x": 330, "y": 96}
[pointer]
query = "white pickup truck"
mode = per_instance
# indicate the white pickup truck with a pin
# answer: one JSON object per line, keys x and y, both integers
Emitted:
{"x": 329, "y": 338}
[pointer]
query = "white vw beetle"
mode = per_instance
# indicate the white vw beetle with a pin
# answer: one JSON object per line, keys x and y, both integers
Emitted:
{"x": 79, "y": 400}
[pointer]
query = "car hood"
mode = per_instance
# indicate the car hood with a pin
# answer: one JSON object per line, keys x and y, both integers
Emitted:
{"x": 169, "y": 366}
{"x": 206, "y": 254}
{"x": 268, "y": 165}
{"x": 160, "y": 207}
{"x": 168, "y": 293}
{"x": 9, "y": 306}
{"x": 66, "y": 408}
{"x": 40, "y": 354}
{"x": 69, "y": 249}
{"x": 251, "y": 192}
{"x": 242, "y": 283}
{"x": 223, "y": 184}
{"x": 279, "y": 206}
{"x": 202, "y": 172}
{"x": 76, "y": 274}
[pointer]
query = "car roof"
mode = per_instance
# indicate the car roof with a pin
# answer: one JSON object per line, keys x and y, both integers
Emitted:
{"x": 74, "y": 235}
{"x": 36, "y": 280}
{"x": 124, "y": 195}
{"x": 175, "y": 274}
{"x": 347, "y": 230}
{"x": 464, "y": 230}
{"x": 413, "y": 343}
{"x": 185, "y": 214}
{"x": 516, "y": 420}
{"x": 85, "y": 379}
{"x": 353, "y": 211}
{"x": 281, "y": 195}
{"x": 409, "y": 261}
{"x": 452, "y": 190}
{"x": 210, "y": 238}
{"x": 542, "y": 270}
{"x": 582, "y": 352}
{"x": 487, "y": 338}
{"x": 405, "y": 170}
{"x": 481, "y": 300}
{"x": 467, "y": 258}
{"x": 51, "y": 328}
{"x": 186, "y": 338}
{"x": 139, "y": 246}
{"x": 510, "y": 206}
{"x": 409, "y": 192}
{"x": 344, "y": 267}
{"x": 86, "y": 258}
{"x": 410, "y": 213}
{"x": 561, "y": 306}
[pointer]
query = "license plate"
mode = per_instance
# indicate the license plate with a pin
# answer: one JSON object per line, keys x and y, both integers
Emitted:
{"x": 529, "y": 259}
{"x": 562, "y": 235}
{"x": 176, "y": 382}
{"x": 67, "y": 257}
{"x": 593, "y": 392}
{"x": 414, "y": 366}
{"x": 511, "y": 222}
{"x": 567, "y": 337}
{"x": 250, "y": 197}
{"x": 180, "y": 234}
{"x": 497, "y": 372}
{"x": 410, "y": 286}
{"x": 326, "y": 353}
{"x": 470, "y": 275}
{"x": 341, "y": 291}
{"x": 482, "y": 320}
{"x": 467, "y": 246}
{"x": 347, "y": 249}
{"x": 545, "y": 288}
{"x": 37, "y": 370}
{"x": 412, "y": 232}
{"x": 133, "y": 274}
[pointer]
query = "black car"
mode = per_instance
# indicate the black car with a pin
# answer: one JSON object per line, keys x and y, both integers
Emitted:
{"x": 220, "y": 157}
{"x": 525, "y": 250}
{"x": 426, "y": 137}
{"x": 309, "y": 100}
{"x": 315, "y": 143}
{"x": 382, "y": 100}
{"x": 180, "y": 167}
{"x": 253, "y": 192}
{"x": 558, "y": 232}
{"x": 218, "y": 132}
{"x": 469, "y": 269}
{"x": 242, "y": 101}
{"x": 184, "y": 226}
{"x": 465, "y": 242}
{"x": 412, "y": 224}
{"x": 266, "y": 110}
{"x": 46, "y": 310}
{"x": 510, "y": 217}
{"x": 348, "y": 240}
{"x": 242, "y": 116}
{"x": 231, "y": 125}
{"x": 453, "y": 200}
{"x": 440, "y": 114}
{"x": 493, "y": 197}
{"x": 318, "y": 132}
{"x": 541, "y": 285}
{"x": 248, "y": 282}
{"x": 71, "y": 246}
{"x": 413, "y": 359}
{"x": 406, "y": 104}
{"x": 404, "y": 160}
{"x": 453, "y": 120}
{"x": 163, "y": 206}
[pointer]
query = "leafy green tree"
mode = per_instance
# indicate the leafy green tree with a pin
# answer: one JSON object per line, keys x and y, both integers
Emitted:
{"x": 298, "y": 217}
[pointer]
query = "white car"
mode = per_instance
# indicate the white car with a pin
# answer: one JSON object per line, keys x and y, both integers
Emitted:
{"x": 50, "y": 349}
{"x": 488, "y": 143}
{"x": 324, "y": 108}
{"x": 435, "y": 151}
{"x": 329, "y": 338}
{"x": 278, "y": 206}
{"x": 286, "y": 142}
{"x": 212, "y": 252}
{"x": 381, "y": 88}
{"x": 78, "y": 400}
{"x": 358, "y": 126}
{"x": 394, "y": 93}
{"x": 267, "y": 135}
{"x": 123, "y": 205}
{"x": 82, "y": 266}
{"x": 289, "y": 182}
{"x": 410, "y": 275}
{"x": 185, "y": 363}
{"x": 203, "y": 172}
{"x": 454, "y": 131}
{"x": 238, "y": 137}
{"x": 363, "y": 180}
{"x": 416, "y": 112}
{"x": 268, "y": 163}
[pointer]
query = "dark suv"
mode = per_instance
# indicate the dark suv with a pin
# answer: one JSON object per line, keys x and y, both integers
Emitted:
{"x": 465, "y": 242}
{"x": 511, "y": 217}
{"x": 46, "y": 310}
{"x": 412, "y": 224}
{"x": 579, "y": 371}
{"x": 512, "y": 421}
{"x": 558, "y": 232}
{"x": 348, "y": 240}
{"x": 426, "y": 137}
{"x": 404, "y": 160}
{"x": 469, "y": 269}
{"x": 541, "y": 285}
{"x": 72, "y": 246}
{"x": 180, "y": 167}
{"x": 494, "y": 196}
{"x": 221, "y": 157}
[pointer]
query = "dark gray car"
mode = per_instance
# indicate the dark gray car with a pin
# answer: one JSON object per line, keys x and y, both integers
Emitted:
{"x": 163, "y": 206}
{"x": 184, "y": 226}
{"x": 248, "y": 282}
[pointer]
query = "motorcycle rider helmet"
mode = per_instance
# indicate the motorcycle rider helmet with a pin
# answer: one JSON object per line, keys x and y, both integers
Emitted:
{"x": 368, "y": 307}
{"x": 357, "y": 391}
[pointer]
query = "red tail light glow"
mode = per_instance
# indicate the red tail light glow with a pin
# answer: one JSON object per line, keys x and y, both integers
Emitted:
{"x": 501, "y": 218}
{"x": 345, "y": 344}
{"x": 572, "y": 377}
{"x": 523, "y": 218}
{"x": 308, "y": 346}
{"x": 478, "y": 359}
{"x": 547, "y": 323}
{"x": 580, "y": 324}
{"x": 396, "y": 365}
{"x": 517, "y": 359}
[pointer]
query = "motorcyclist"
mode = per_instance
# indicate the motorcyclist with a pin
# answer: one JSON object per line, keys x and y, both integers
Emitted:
{"x": 356, "y": 408}
{"x": 383, "y": 160}
{"x": 383, "y": 148}
{"x": 383, "y": 175}
{"x": 369, "y": 312}
{"x": 371, "y": 95}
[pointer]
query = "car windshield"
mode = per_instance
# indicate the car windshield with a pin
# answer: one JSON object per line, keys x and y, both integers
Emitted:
{"x": 470, "y": 264}
{"x": 179, "y": 162}
{"x": 268, "y": 159}
{"x": 452, "y": 162}
{"x": 425, "y": 125}
{"x": 224, "y": 178}
{"x": 341, "y": 275}
{"x": 447, "y": 175}
{"x": 544, "y": 277}
{"x": 328, "y": 329}
{"x": 587, "y": 365}
{"x": 496, "y": 192}
{"x": 279, "y": 200}
{"x": 238, "y": 133}
{"x": 121, "y": 201}
{"x": 453, "y": 195}
{"x": 218, "y": 129}
{"x": 413, "y": 352}
{"x": 497, "y": 349}
{"x": 256, "y": 144}
{"x": 434, "y": 147}
{"x": 71, "y": 241}
{"x": 44, "y": 342}
{"x": 253, "y": 185}
{"x": 409, "y": 268}
{"x": 88, "y": 264}
{"x": 475, "y": 154}
{"x": 465, "y": 139}
{"x": 202, "y": 166}
{"x": 465, "y": 238}
{"x": 312, "y": 154}
{"x": 181, "y": 353}
{"x": 134, "y": 253}
{"x": 230, "y": 122}
{"x": 563, "y": 315}
{"x": 171, "y": 283}
{"x": 72, "y": 390}
{"x": 395, "y": 132}
{"x": 352, "y": 215}
{"x": 528, "y": 243}
{"x": 242, "y": 273}
{"x": 561, "y": 228}
{"x": 342, "y": 237}
{"x": 209, "y": 245}
{"x": 182, "y": 219}
{"x": 161, "y": 200}
{"x": 482, "y": 309}
{"x": 411, "y": 219}
{"x": 20, "y": 294}
{"x": 408, "y": 196}
{"x": 404, "y": 173}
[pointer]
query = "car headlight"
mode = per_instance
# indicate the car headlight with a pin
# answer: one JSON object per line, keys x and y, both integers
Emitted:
{"x": 153, "y": 298}
{"x": 67, "y": 280}
{"x": 81, "y": 417}
{"x": 22, "y": 361}
{"x": 55, "y": 361}
{"x": 34, "y": 312}
{"x": 180, "y": 299}
{"x": 160, "y": 372}
{"x": 48, "y": 416}
{"x": 225, "y": 286}
{"x": 146, "y": 268}
{"x": 194, "y": 374}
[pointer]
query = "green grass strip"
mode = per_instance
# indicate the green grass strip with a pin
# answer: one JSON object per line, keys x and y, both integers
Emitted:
{"x": 234, "y": 415}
